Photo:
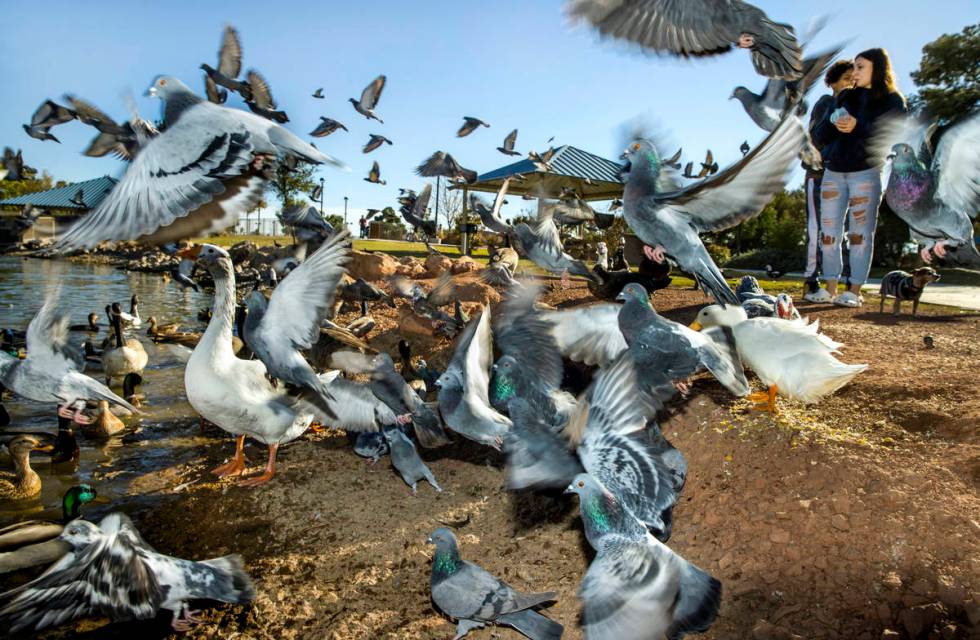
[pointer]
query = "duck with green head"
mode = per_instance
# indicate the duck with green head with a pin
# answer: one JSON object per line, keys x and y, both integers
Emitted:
{"x": 34, "y": 542}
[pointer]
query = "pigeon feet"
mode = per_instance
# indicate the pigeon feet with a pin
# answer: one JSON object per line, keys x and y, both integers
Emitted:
{"x": 925, "y": 255}
{"x": 658, "y": 254}
{"x": 75, "y": 416}
{"x": 184, "y": 619}
{"x": 940, "y": 248}
{"x": 403, "y": 419}
{"x": 683, "y": 388}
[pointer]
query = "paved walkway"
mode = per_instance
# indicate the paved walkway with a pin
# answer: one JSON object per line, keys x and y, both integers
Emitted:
{"x": 949, "y": 295}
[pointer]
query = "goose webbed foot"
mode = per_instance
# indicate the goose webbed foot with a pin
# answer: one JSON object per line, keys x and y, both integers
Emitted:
{"x": 235, "y": 466}
{"x": 265, "y": 476}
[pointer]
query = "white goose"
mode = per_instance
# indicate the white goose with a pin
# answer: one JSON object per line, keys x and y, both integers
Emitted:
{"x": 237, "y": 395}
{"x": 791, "y": 357}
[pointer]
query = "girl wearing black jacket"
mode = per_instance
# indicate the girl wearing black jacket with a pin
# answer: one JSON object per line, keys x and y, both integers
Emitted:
{"x": 851, "y": 184}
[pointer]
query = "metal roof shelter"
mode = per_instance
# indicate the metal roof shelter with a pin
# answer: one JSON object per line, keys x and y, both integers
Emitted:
{"x": 94, "y": 191}
{"x": 592, "y": 177}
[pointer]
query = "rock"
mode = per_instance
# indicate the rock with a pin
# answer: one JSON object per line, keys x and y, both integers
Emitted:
{"x": 464, "y": 264}
{"x": 764, "y": 630}
{"x": 972, "y": 609}
{"x": 726, "y": 560}
{"x": 476, "y": 291}
{"x": 372, "y": 266}
{"x": 950, "y": 594}
{"x": 918, "y": 621}
{"x": 949, "y": 632}
{"x": 892, "y": 581}
{"x": 436, "y": 264}
{"x": 839, "y": 521}
{"x": 779, "y": 536}
{"x": 411, "y": 269}
{"x": 242, "y": 252}
{"x": 889, "y": 634}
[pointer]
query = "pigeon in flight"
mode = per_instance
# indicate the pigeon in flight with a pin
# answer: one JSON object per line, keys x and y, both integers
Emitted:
{"x": 374, "y": 142}
{"x": 369, "y": 99}
{"x": 709, "y": 166}
{"x": 78, "y": 198}
{"x": 262, "y": 102}
{"x": 318, "y": 93}
{"x": 196, "y": 177}
{"x": 469, "y": 126}
{"x": 374, "y": 175}
{"x": 441, "y": 163}
{"x": 229, "y": 66}
{"x": 780, "y": 96}
{"x": 933, "y": 187}
{"x": 316, "y": 193}
{"x": 541, "y": 160}
{"x": 509, "y": 142}
{"x": 674, "y": 161}
{"x": 744, "y": 147}
{"x": 671, "y": 221}
{"x": 413, "y": 211}
{"x": 473, "y": 596}
{"x": 48, "y": 115}
{"x": 326, "y": 127}
{"x": 111, "y": 571}
{"x": 697, "y": 28}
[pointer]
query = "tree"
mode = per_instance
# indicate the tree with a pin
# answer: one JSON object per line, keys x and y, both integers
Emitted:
{"x": 291, "y": 186}
{"x": 14, "y": 188}
{"x": 948, "y": 76}
{"x": 450, "y": 205}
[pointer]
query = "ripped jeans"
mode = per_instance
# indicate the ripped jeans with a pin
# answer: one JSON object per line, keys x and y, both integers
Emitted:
{"x": 857, "y": 193}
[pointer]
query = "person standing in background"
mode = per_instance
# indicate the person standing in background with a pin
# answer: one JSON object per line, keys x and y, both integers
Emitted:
{"x": 363, "y": 223}
{"x": 602, "y": 255}
{"x": 838, "y": 77}
{"x": 851, "y": 185}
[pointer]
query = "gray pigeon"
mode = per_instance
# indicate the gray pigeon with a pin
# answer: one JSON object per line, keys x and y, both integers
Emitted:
{"x": 441, "y": 163}
{"x": 199, "y": 173}
{"x": 50, "y": 372}
{"x": 672, "y": 221}
{"x": 666, "y": 351}
{"x": 369, "y": 99}
{"x": 509, "y": 142}
{"x": 307, "y": 222}
{"x": 371, "y": 445}
{"x": 318, "y": 93}
{"x": 374, "y": 175}
{"x": 542, "y": 245}
{"x": 413, "y": 211}
{"x": 111, "y": 571}
{"x": 537, "y": 457}
{"x": 374, "y": 142}
{"x": 937, "y": 194}
{"x": 587, "y": 334}
{"x": 636, "y": 586}
{"x": 463, "y": 388}
{"x": 697, "y": 28}
{"x": 276, "y": 330}
{"x": 392, "y": 389}
{"x": 476, "y": 598}
{"x": 469, "y": 126}
{"x": 779, "y": 97}
{"x": 326, "y": 127}
{"x": 405, "y": 458}
{"x": 262, "y": 102}
{"x": 229, "y": 66}
{"x": 490, "y": 217}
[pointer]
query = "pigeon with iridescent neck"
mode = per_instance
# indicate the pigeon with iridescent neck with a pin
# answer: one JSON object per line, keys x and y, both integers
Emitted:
{"x": 475, "y": 597}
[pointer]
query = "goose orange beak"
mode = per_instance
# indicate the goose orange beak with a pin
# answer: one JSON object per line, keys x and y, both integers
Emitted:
{"x": 190, "y": 253}
{"x": 695, "y": 325}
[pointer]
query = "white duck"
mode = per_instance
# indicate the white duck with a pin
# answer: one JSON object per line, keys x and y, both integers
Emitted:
{"x": 132, "y": 319}
{"x": 238, "y": 395}
{"x": 791, "y": 357}
{"x": 122, "y": 357}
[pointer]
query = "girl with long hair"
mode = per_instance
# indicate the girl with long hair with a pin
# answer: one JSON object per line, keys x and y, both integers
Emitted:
{"x": 851, "y": 184}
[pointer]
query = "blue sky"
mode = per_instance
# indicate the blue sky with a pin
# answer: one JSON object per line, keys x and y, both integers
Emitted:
{"x": 513, "y": 63}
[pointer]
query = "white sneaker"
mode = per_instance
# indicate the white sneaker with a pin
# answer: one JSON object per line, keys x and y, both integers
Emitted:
{"x": 820, "y": 295}
{"x": 848, "y": 299}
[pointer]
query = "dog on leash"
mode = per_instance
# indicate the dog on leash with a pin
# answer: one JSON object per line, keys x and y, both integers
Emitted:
{"x": 902, "y": 285}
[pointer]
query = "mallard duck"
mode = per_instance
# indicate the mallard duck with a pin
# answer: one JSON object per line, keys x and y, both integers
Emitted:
{"x": 110, "y": 570}
{"x": 50, "y": 373}
{"x": 124, "y": 357}
{"x": 91, "y": 326}
{"x": 190, "y": 339}
{"x": 791, "y": 357}
{"x": 155, "y": 330}
{"x": 24, "y": 482}
{"x": 33, "y": 542}
{"x": 238, "y": 395}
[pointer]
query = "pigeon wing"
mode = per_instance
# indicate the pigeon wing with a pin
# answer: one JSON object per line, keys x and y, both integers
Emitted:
{"x": 261, "y": 94}
{"x": 742, "y": 190}
{"x": 527, "y": 337}
{"x": 230, "y": 54}
{"x": 48, "y": 343}
{"x": 372, "y": 93}
{"x": 171, "y": 180}
{"x": 589, "y": 335}
{"x": 957, "y": 167}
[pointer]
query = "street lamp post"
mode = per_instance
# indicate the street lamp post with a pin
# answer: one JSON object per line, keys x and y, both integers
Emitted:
{"x": 321, "y": 197}
{"x": 345, "y": 212}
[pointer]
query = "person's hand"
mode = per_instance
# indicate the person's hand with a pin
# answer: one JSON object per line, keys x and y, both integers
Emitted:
{"x": 746, "y": 41}
{"x": 846, "y": 124}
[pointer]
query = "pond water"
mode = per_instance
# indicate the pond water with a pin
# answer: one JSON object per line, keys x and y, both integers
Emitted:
{"x": 165, "y": 436}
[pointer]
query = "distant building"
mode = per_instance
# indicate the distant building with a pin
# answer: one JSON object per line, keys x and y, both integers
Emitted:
{"x": 59, "y": 208}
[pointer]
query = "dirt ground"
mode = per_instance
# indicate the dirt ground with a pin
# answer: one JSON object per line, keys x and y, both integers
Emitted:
{"x": 839, "y": 520}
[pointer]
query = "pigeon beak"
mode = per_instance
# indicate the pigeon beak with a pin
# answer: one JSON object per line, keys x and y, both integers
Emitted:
{"x": 429, "y": 540}
{"x": 624, "y": 155}
{"x": 695, "y": 325}
{"x": 569, "y": 489}
{"x": 190, "y": 253}
{"x": 621, "y": 297}
{"x": 151, "y": 92}
{"x": 890, "y": 156}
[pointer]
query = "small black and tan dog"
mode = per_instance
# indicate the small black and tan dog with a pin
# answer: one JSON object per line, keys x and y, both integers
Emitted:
{"x": 902, "y": 285}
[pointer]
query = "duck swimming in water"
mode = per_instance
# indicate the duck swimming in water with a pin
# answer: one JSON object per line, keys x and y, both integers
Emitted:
{"x": 24, "y": 482}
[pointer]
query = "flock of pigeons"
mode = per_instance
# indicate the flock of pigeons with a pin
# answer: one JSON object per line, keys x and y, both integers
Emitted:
{"x": 207, "y": 163}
